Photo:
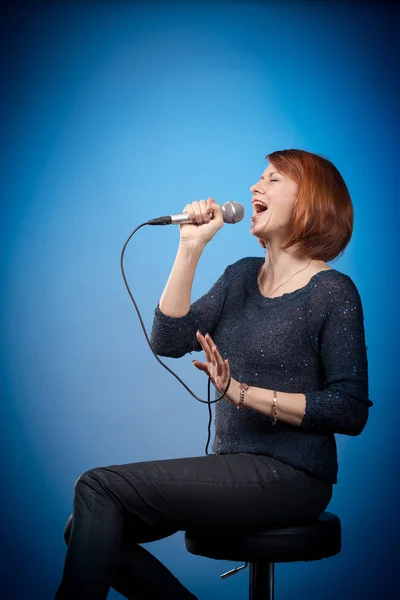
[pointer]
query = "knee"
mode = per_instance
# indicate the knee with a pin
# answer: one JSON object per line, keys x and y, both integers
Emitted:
{"x": 88, "y": 479}
{"x": 99, "y": 481}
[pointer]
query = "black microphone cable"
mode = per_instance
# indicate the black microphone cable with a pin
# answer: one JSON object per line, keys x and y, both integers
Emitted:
{"x": 208, "y": 401}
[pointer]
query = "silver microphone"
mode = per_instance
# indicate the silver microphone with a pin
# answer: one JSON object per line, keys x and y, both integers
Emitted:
{"x": 232, "y": 212}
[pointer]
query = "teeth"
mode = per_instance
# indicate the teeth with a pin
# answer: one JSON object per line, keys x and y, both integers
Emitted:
{"x": 257, "y": 203}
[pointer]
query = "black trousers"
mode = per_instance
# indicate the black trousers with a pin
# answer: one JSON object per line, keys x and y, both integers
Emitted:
{"x": 116, "y": 508}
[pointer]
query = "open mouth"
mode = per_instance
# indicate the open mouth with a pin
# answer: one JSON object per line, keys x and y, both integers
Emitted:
{"x": 259, "y": 207}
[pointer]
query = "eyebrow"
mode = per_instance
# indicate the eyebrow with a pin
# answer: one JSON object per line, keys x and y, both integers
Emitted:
{"x": 270, "y": 173}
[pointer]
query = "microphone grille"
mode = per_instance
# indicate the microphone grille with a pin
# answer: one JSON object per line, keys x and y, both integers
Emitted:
{"x": 233, "y": 212}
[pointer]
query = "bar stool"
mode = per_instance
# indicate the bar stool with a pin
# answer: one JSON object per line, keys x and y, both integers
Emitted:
{"x": 301, "y": 541}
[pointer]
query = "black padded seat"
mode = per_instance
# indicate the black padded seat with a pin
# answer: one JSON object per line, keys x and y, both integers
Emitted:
{"x": 312, "y": 540}
{"x": 306, "y": 541}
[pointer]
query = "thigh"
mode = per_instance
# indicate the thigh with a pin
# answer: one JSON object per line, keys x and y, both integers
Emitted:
{"x": 238, "y": 490}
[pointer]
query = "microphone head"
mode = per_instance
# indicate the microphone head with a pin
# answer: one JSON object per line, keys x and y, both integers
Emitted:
{"x": 233, "y": 212}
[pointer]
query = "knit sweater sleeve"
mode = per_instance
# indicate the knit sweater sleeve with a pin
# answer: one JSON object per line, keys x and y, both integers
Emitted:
{"x": 176, "y": 336}
{"x": 336, "y": 328}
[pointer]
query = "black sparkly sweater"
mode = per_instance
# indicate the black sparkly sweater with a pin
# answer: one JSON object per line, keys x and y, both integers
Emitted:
{"x": 309, "y": 341}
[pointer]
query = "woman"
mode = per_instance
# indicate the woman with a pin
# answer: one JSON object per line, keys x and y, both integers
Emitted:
{"x": 287, "y": 331}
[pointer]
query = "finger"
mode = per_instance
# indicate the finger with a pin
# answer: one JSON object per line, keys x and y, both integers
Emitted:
{"x": 189, "y": 210}
{"x": 204, "y": 211}
{"x": 202, "y": 366}
{"x": 224, "y": 377}
{"x": 210, "y": 343}
{"x": 216, "y": 360}
{"x": 196, "y": 212}
{"x": 200, "y": 211}
{"x": 216, "y": 356}
{"x": 210, "y": 210}
{"x": 219, "y": 362}
{"x": 204, "y": 344}
{"x": 215, "y": 208}
{"x": 200, "y": 339}
{"x": 227, "y": 372}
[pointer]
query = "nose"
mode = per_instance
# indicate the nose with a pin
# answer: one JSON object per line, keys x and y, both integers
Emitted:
{"x": 256, "y": 187}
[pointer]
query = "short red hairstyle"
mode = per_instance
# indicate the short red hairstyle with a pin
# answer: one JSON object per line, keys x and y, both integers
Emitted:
{"x": 323, "y": 214}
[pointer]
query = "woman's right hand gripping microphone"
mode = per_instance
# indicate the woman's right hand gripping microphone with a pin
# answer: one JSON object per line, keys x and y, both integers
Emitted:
{"x": 207, "y": 219}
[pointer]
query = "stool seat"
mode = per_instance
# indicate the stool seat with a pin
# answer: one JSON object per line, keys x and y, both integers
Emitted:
{"x": 303, "y": 541}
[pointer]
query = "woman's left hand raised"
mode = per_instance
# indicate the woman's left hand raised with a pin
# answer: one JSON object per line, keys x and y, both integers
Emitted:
{"x": 216, "y": 368}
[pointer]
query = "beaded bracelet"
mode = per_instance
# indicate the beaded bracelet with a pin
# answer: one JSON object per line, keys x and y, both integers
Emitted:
{"x": 274, "y": 411}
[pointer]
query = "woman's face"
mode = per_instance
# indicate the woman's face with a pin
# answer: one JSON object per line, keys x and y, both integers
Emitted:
{"x": 273, "y": 200}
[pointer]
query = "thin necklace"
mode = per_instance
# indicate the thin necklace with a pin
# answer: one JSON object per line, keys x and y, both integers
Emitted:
{"x": 303, "y": 269}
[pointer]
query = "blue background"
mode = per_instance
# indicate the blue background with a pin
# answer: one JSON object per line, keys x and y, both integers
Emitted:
{"x": 113, "y": 113}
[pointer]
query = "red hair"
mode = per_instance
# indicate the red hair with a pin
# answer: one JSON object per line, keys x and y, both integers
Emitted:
{"x": 323, "y": 215}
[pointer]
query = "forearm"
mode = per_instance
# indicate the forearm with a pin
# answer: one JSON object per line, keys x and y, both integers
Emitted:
{"x": 175, "y": 299}
{"x": 322, "y": 410}
{"x": 290, "y": 407}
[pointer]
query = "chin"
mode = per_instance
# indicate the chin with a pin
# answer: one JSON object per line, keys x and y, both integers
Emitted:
{"x": 262, "y": 242}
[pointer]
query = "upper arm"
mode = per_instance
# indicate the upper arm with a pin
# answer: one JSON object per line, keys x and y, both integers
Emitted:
{"x": 176, "y": 336}
{"x": 336, "y": 320}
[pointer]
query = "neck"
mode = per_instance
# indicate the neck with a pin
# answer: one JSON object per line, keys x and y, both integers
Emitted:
{"x": 280, "y": 264}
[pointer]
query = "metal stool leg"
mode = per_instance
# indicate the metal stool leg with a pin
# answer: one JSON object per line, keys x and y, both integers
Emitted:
{"x": 261, "y": 581}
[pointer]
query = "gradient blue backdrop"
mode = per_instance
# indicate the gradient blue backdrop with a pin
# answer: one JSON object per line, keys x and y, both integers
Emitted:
{"x": 113, "y": 113}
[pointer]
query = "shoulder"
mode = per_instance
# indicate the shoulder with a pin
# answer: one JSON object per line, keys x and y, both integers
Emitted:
{"x": 334, "y": 280}
{"x": 334, "y": 287}
{"x": 244, "y": 268}
{"x": 246, "y": 263}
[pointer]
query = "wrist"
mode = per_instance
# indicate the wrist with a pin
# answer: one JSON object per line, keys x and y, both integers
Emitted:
{"x": 191, "y": 247}
{"x": 233, "y": 393}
